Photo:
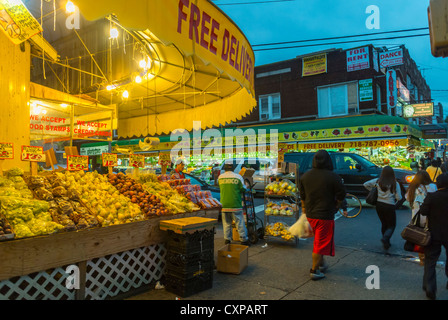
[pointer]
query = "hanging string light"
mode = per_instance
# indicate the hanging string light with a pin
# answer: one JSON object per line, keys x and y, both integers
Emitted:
{"x": 70, "y": 7}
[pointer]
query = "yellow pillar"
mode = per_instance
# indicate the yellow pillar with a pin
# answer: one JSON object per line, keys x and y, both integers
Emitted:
{"x": 14, "y": 98}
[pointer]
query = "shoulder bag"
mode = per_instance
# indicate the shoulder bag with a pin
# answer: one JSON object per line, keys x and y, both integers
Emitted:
{"x": 372, "y": 197}
{"x": 416, "y": 234}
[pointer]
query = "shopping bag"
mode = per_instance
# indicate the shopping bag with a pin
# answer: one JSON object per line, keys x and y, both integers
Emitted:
{"x": 301, "y": 228}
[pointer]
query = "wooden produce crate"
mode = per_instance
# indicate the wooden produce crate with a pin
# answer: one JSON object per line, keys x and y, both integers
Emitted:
{"x": 187, "y": 225}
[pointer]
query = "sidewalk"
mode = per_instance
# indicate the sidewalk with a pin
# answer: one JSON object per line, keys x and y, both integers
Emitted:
{"x": 280, "y": 271}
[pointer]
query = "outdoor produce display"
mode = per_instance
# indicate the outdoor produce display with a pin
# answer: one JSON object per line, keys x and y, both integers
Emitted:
{"x": 77, "y": 200}
{"x": 174, "y": 201}
{"x": 150, "y": 204}
{"x": 283, "y": 208}
{"x": 104, "y": 200}
{"x": 281, "y": 188}
{"x": 278, "y": 229}
{"x": 27, "y": 216}
{"x": 64, "y": 201}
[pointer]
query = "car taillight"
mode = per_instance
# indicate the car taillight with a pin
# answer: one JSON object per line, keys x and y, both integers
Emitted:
{"x": 409, "y": 178}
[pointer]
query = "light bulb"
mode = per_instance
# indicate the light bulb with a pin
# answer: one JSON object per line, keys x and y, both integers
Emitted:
{"x": 142, "y": 63}
{"x": 125, "y": 94}
{"x": 138, "y": 79}
{"x": 70, "y": 7}
{"x": 113, "y": 33}
{"x": 110, "y": 87}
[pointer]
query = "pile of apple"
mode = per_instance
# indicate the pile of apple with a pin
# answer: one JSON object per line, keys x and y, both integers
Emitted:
{"x": 283, "y": 209}
{"x": 281, "y": 188}
{"x": 149, "y": 204}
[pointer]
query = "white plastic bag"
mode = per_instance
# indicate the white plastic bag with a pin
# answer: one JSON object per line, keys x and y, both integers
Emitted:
{"x": 302, "y": 228}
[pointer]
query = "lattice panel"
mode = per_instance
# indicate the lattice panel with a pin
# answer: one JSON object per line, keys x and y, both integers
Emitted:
{"x": 119, "y": 273}
{"x": 47, "y": 285}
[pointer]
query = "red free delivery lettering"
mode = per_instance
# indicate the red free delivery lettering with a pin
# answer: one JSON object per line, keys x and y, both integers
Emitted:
{"x": 205, "y": 30}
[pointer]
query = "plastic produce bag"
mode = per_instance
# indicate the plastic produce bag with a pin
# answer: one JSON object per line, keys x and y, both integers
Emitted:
{"x": 302, "y": 228}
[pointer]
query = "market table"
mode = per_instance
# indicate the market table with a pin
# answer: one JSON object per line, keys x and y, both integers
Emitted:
{"x": 104, "y": 262}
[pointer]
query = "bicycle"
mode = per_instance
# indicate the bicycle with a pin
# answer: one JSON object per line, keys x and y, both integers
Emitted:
{"x": 355, "y": 206}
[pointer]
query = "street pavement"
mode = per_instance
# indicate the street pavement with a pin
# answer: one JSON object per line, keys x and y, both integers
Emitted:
{"x": 279, "y": 270}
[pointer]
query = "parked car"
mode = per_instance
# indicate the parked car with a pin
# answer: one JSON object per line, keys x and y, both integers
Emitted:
{"x": 264, "y": 168}
{"x": 352, "y": 168}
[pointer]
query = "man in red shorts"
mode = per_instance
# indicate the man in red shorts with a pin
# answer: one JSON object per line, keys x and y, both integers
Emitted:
{"x": 321, "y": 192}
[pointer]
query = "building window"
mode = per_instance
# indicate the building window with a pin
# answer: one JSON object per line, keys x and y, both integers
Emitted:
{"x": 270, "y": 107}
{"x": 378, "y": 97}
{"x": 338, "y": 100}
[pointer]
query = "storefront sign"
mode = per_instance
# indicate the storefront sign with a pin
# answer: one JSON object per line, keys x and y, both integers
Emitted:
{"x": 391, "y": 83}
{"x": 353, "y": 144}
{"x": 137, "y": 160}
{"x": 358, "y": 59}
{"x": 16, "y": 22}
{"x": 346, "y": 133}
{"x": 314, "y": 65}
{"x": 423, "y": 110}
{"x": 33, "y": 154}
{"x": 391, "y": 58}
{"x": 403, "y": 92}
{"x": 6, "y": 151}
{"x": 365, "y": 90}
{"x": 375, "y": 61}
{"x": 76, "y": 163}
{"x": 109, "y": 159}
{"x": 93, "y": 151}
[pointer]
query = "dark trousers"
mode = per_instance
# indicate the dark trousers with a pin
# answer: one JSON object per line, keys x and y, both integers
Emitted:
{"x": 388, "y": 218}
{"x": 432, "y": 254}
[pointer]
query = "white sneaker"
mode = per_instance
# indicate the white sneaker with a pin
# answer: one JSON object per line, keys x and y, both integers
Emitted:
{"x": 316, "y": 274}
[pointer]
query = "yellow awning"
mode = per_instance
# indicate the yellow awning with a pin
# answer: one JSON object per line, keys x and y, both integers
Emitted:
{"x": 203, "y": 65}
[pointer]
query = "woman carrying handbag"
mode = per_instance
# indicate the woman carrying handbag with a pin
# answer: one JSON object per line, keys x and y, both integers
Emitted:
{"x": 389, "y": 193}
{"x": 420, "y": 186}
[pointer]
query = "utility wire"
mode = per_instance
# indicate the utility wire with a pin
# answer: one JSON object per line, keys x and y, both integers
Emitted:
{"x": 339, "y": 37}
{"x": 341, "y": 42}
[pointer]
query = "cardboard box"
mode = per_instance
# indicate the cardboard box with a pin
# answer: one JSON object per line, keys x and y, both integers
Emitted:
{"x": 233, "y": 258}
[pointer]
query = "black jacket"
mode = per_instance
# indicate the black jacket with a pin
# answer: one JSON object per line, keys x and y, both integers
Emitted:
{"x": 435, "y": 207}
{"x": 320, "y": 190}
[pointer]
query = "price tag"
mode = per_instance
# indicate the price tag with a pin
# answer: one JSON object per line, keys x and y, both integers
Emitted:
{"x": 137, "y": 160}
{"x": 164, "y": 159}
{"x": 110, "y": 159}
{"x": 6, "y": 151}
{"x": 76, "y": 163}
{"x": 33, "y": 154}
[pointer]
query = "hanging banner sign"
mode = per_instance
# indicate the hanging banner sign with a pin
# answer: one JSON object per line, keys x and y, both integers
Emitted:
{"x": 16, "y": 22}
{"x": 391, "y": 58}
{"x": 391, "y": 83}
{"x": 314, "y": 65}
{"x": 33, "y": 154}
{"x": 109, "y": 159}
{"x": 6, "y": 151}
{"x": 77, "y": 163}
{"x": 358, "y": 59}
{"x": 137, "y": 160}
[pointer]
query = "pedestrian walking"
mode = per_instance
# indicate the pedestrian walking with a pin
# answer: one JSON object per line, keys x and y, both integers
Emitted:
{"x": 418, "y": 189}
{"x": 435, "y": 208}
{"x": 434, "y": 170}
{"x": 231, "y": 186}
{"x": 389, "y": 194}
{"x": 321, "y": 192}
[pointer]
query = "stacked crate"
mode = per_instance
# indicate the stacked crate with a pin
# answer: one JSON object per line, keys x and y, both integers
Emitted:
{"x": 189, "y": 261}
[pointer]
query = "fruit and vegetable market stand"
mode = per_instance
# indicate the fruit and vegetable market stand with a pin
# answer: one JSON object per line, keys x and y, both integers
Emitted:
{"x": 102, "y": 262}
